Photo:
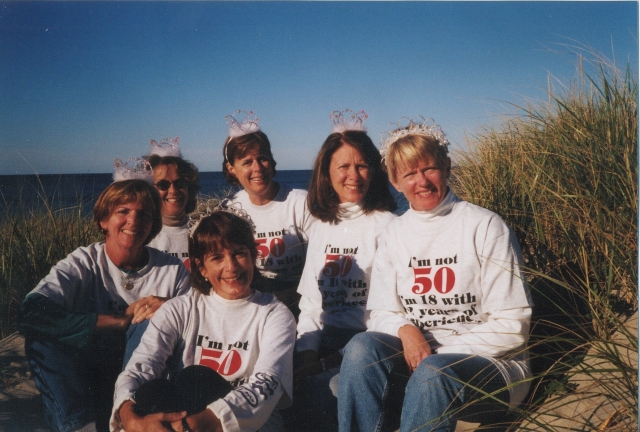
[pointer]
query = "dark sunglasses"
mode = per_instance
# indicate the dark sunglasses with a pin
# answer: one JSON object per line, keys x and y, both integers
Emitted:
{"x": 179, "y": 183}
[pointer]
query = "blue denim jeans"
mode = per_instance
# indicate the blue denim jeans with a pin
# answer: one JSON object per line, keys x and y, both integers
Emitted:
{"x": 133, "y": 337}
{"x": 443, "y": 389}
{"x": 76, "y": 385}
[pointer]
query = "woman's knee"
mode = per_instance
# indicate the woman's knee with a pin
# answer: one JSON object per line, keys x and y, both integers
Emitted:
{"x": 435, "y": 374}
{"x": 371, "y": 346}
{"x": 358, "y": 347}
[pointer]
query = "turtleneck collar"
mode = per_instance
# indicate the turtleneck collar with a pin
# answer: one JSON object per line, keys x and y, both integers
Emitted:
{"x": 175, "y": 221}
{"x": 441, "y": 210}
{"x": 347, "y": 211}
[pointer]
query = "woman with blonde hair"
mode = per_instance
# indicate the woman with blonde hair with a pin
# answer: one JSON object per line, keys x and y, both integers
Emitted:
{"x": 449, "y": 305}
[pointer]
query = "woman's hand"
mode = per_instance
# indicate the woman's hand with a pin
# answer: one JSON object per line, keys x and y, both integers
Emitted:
{"x": 144, "y": 308}
{"x": 131, "y": 422}
{"x": 415, "y": 346}
{"x": 204, "y": 421}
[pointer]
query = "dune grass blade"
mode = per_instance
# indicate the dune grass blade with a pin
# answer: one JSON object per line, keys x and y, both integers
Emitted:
{"x": 564, "y": 176}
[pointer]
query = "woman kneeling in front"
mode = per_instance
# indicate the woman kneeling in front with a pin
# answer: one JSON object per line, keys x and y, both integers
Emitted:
{"x": 245, "y": 336}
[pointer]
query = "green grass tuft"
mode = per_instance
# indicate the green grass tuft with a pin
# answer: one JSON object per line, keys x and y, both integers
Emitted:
{"x": 564, "y": 176}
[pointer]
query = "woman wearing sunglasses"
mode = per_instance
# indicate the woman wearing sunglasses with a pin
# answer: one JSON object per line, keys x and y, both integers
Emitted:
{"x": 177, "y": 181}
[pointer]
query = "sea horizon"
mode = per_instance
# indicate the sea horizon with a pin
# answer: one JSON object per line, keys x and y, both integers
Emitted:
{"x": 67, "y": 191}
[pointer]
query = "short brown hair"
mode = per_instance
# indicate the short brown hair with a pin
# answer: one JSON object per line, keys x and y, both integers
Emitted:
{"x": 238, "y": 147}
{"x": 186, "y": 170}
{"x": 410, "y": 150}
{"x": 323, "y": 201}
{"x": 218, "y": 230}
{"x": 126, "y": 191}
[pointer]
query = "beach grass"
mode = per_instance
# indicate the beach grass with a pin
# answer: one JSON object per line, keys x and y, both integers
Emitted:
{"x": 564, "y": 176}
{"x": 32, "y": 239}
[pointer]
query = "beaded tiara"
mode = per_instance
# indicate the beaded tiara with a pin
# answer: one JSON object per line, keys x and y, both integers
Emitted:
{"x": 416, "y": 126}
{"x": 249, "y": 123}
{"x": 207, "y": 208}
{"x": 166, "y": 147}
{"x": 348, "y": 120}
{"x": 133, "y": 169}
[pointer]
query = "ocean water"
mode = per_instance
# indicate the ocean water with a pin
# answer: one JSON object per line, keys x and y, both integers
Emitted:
{"x": 64, "y": 191}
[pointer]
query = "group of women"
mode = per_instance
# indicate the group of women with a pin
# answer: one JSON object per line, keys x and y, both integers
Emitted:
{"x": 191, "y": 310}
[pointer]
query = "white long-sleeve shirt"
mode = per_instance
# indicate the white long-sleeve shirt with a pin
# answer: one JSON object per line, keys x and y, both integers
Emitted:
{"x": 455, "y": 273}
{"x": 281, "y": 226}
{"x": 336, "y": 278}
{"x": 248, "y": 341}
{"x": 174, "y": 241}
{"x": 88, "y": 281}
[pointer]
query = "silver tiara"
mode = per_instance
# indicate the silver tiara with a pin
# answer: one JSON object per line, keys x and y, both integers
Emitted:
{"x": 166, "y": 147}
{"x": 207, "y": 208}
{"x": 249, "y": 123}
{"x": 133, "y": 169}
{"x": 348, "y": 120}
{"x": 416, "y": 126}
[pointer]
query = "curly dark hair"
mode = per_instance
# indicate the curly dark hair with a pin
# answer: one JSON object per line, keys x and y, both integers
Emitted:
{"x": 323, "y": 201}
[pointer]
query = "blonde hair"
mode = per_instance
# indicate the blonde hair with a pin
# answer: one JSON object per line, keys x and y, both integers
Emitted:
{"x": 409, "y": 150}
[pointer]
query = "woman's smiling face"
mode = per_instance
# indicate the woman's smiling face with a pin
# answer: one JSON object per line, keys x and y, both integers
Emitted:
{"x": 255, "y": 174}
{"x": 230, "y": 271}
{"x": 424, "y": 185}
{"x": 349, "y": 174}
{"x": 174, "y": 199}
{"x": 127, "y": 227}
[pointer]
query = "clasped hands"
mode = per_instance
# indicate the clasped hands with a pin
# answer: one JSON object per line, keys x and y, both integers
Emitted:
{"x": 204, "y": 421}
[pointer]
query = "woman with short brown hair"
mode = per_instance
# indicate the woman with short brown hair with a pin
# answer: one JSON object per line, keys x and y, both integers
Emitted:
{"x": 74, "y": 320}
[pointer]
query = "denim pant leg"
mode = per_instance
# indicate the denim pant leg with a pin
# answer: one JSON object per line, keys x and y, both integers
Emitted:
{"x": 59, "y": 373}
{"x": 372, "y": 372}
{"x": 133, "y": 337}
{"x": 448, "y": 387}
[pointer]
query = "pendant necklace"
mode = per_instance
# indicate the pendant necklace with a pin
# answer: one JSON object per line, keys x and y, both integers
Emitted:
{"x": 129, "y": 276}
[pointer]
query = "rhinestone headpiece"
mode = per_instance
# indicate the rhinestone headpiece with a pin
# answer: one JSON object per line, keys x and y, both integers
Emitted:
{"x": 166, "y": 147}
{"x": 249, "y": 123}
{"x": 416, "y": 126}
{"x": 133, "y": 169}
{"x": 348, "y": 120}
{"x": 207, "y": 208}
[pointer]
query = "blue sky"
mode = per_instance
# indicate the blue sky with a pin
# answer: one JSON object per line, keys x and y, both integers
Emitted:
{"x": 82, "y": 83}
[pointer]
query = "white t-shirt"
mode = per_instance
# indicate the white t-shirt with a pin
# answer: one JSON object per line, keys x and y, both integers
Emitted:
{"x": 88, "y": 281}
{"x": 336, "y": 278}
{"x": 455, "y": 273}
{"x": 248, "y": 341}
{"x": 174, "y": 241}
{"x": 280, "y": 231}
